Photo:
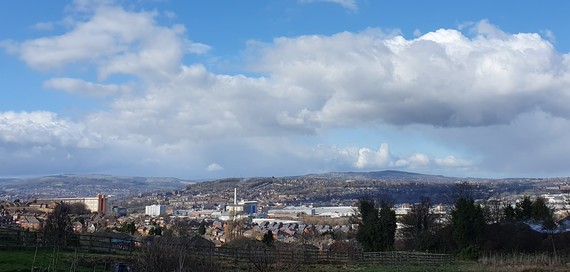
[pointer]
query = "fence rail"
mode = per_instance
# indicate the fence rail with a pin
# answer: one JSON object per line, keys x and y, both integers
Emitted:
{"x": 309, "y": 256}
{"x": 399, "y": 257}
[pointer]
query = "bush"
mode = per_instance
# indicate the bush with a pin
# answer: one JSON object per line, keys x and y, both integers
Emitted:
{"x": 442, "y": 241}
{"x": 510, "y": 237}
{"x": 470, "y": 253}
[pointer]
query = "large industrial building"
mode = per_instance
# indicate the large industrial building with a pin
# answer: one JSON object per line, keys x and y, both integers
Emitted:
{"x": 94, "y": 204}
{"x": 239, "y": 210}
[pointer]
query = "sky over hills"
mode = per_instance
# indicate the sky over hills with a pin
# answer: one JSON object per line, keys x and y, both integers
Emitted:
{"x": 207, "y": 89}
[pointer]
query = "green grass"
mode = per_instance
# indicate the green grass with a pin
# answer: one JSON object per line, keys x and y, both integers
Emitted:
{"x": 14, "y": 260}
{"x": 20, "y": 260}
{"x": 465, "y": 266}
{"x": 452, "y": 267}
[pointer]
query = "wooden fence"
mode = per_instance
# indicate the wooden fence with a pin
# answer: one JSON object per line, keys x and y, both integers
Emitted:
{"x": 87, "y": 242}
{"x": 234, "y": 257}
{"x": 405, "y": 257}
{"x": 299, "y": 256}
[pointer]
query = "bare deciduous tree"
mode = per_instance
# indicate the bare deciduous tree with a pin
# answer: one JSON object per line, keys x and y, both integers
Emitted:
{"x": 175, "y": 254}
{"x": 419, "y": 224}
{"x": 58, "y": 224}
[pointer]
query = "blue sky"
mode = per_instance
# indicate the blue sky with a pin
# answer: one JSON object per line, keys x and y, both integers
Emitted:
{"x": 208, "y": 89}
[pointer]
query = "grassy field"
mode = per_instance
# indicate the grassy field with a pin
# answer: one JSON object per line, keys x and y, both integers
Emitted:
{"x": 53, "y": 260}
{"x": 465, "y": 266}
{"x": 49, "y": 260}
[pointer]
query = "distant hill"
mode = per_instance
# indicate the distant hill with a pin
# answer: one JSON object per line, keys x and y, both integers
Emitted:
{"x": 334, "y": 186}
{"x": 385, "y": 175}
{"x": 70, "y": 185}
{"x": 6, "y": 180}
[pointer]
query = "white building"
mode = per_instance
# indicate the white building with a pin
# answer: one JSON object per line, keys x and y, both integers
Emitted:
{"x": 155, "y": 210}
{"x": 291, "y": 211}
{"x": 339, "y": 211}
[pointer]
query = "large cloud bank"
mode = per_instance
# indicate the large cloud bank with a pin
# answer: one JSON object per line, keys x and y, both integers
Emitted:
{"x": 175, "y": 118}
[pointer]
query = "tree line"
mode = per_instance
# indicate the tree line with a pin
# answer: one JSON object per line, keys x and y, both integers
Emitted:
{"x": 469, "y": 229}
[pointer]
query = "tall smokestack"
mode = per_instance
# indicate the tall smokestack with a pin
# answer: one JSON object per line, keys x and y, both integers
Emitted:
{"x": 235, "y": 196}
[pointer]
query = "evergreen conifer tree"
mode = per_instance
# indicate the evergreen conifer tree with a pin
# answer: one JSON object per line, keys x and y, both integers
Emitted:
{"x": 377, "y": 228}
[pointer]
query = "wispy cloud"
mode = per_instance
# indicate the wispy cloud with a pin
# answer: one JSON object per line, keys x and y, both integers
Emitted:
{"x": 347, "y": 4}
{"x": 44, "y": 26}
{"x": 82, "y": 87}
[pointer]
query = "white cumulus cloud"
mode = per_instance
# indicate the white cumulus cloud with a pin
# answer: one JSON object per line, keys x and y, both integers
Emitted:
{"x": 214, "y": 167}
{"x": 43, "y": 128}
{"x": 441, "y": 78}
{"x": 115, "y": 41}
{"x": 415, "y": 161}
{"x": 369, "y": 158}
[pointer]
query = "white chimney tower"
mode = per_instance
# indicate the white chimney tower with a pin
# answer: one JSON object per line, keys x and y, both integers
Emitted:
{"x": 235, "y": 196}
